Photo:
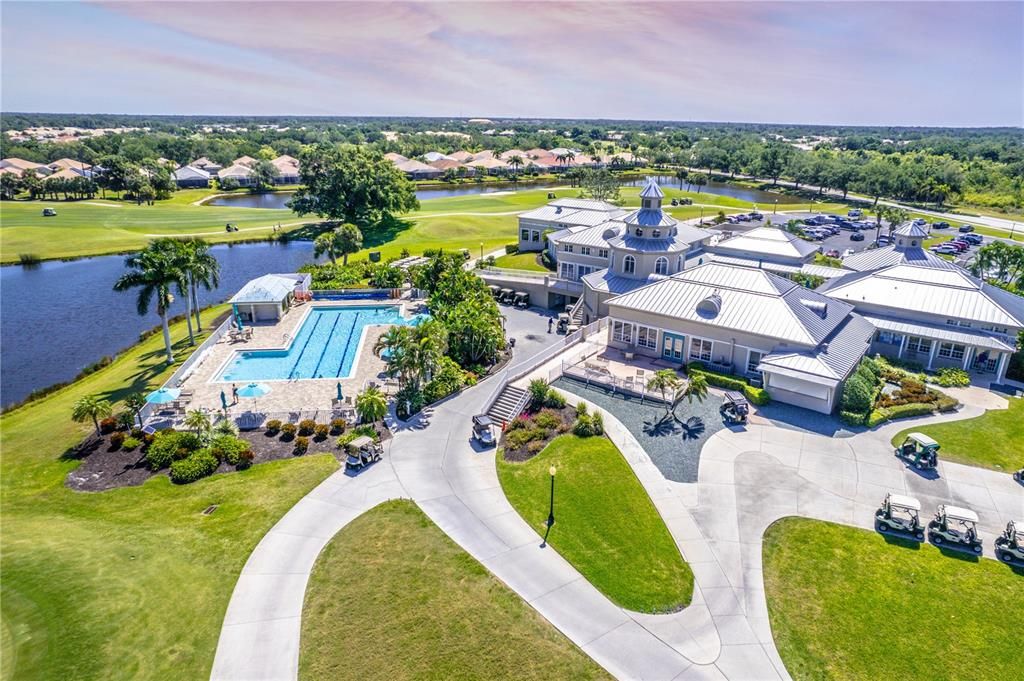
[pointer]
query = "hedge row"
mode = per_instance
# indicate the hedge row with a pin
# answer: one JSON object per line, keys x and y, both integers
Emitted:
{"x": 758, "y": 396}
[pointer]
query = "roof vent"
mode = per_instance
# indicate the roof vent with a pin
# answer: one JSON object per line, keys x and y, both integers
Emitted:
{"x": 609, "y": 233}
{"x": 558, "y": 209}
{"x": 710, "y": 306}
{"x": 816, "y": 306}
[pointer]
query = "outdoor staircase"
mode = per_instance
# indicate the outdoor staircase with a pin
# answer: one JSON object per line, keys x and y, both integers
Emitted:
{"x": 576, "y": 313}
{"x": 510, "y": 404}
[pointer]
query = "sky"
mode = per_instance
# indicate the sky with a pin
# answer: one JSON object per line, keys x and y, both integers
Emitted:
{"x": 856, "y": 63}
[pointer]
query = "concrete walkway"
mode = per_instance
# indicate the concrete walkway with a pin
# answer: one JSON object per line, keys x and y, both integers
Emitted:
{"x": 749, "y": 477}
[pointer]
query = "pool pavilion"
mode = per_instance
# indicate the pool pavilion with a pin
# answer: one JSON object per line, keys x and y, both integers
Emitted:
{"x": 269, "y": 297}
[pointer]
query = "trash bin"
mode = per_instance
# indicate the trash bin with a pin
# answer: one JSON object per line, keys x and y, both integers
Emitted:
{"x": 374, "y": 256}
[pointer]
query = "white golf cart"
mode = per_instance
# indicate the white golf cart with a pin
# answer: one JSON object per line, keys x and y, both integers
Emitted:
{"x": 482, "y": 430}
{"x": 900, "y": 513}
{"x": 955, "y": 526}
{"x": 1010, "y": 544}
{"x": 362, "y": 451}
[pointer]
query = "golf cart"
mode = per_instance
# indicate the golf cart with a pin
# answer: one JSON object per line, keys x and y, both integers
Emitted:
{"x": 1019, "y": 476}
{"x": 1010, "y": 544}
{"x": 955, "y": 525}
{"x": 482, "y": 432}
{"x": 522, "y": 299}
{"x": 49, "y": 212}
{"x": 901, "y": 514}
{"x": 735, "y": 408}
{"x": 495, "y": 291}
{"x": 506, "y": 296}
{"x": 362, "y": 451}
{"x": 920, "y": 451}
{"x": 563, "y": 323}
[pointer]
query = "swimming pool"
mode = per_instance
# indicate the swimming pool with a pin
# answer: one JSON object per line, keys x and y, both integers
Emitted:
{"x": 325, "y": 346}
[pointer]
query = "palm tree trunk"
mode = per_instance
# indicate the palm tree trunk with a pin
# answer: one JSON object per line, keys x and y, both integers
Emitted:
{"x": 167, "y": 335}
{"x": 344, "y": 259}
{"x": 188, "y": 316}
{"x": 96, "y": 422}
{"x": 193, "y": 289}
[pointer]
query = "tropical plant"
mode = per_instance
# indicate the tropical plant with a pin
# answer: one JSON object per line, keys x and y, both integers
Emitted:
{"x": 199, "y": 422}
{"x": 516, "y": 162}
{"x": 201, "y": 269}
{"x": 154, "y": 270}
{"x": 371, "y": 405}
{"x": 538, "y": 390}
{"x": 696, "y": 388}
{"x": 91, "y": 407}
{"x": 666, "y": 382}
{"x": 135, "y": 403}
{"x": 263, "y": 175}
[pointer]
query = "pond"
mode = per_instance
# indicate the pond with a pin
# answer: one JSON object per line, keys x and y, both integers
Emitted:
{"x": 280, "y": 200}
{"x": 58, "y": 317}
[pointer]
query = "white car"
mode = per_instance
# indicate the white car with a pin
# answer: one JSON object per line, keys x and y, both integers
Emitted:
{"x": 944, "y": 249}
{"x": 848, "y": 252}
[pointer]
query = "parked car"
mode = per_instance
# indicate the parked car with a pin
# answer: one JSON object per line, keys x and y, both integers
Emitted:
{"x": 944, "y": 249}
{"x": 857, "y": 236}
{"x": 854, "y": 213}
{"x": 732, "y": 220}
{"x": 743, "y": 217}
{"x": 848, "y": 252}
{"x": 960, "y": 246}
{"x": 49, "y": 212}
{"x": 757, "y": 216}
{"x": 975, "y": 239}
{"x": 814, "y": 220}
{"x": 883, "y": 241}
{"x": 832, "y": 253}
{"x": 920, "y": 222}
{"x": 966, "y": 228}
{"x": 940, "y": 225}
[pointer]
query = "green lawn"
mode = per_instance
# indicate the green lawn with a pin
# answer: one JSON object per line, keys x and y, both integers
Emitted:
{"x": 130, "y": 583}
{"x": 392, "y": 597}
{"x": 845, "y": 604}
{"x": 993, "y": 440}
{"x": 605, "y": 524}
{"x": 520, "y": 261}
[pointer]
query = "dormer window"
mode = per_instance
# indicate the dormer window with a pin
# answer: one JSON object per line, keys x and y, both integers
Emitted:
{"x": 639, "y": 232}
{"x": 657, "y": 233}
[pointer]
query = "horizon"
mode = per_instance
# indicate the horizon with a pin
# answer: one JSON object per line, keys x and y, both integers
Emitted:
{"x": 824, "y": 64}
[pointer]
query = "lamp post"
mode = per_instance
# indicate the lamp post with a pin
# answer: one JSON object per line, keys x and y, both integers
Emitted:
{"x": 551, "y": 508}
{"x": 776, "y": 208}
{"x": 481, "y": 250}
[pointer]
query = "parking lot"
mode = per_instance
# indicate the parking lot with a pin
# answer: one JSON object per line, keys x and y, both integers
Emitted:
{"x": 839, "y": 242}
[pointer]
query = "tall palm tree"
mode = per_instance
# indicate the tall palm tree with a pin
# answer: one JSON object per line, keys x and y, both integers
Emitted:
{"x": 91, "y": 407}
{"x": 153, "y": 271}
{"x": 201, "y": 269}
{"x": 516, "y": 162}
{"x": 696, "y": 389}
{"x": 664, "y": 381}
{"x": 682, "y": 175}
{"x": 327, "y": 243}
{"x": 431, "y": 340}
{"x": 135, "y": 404}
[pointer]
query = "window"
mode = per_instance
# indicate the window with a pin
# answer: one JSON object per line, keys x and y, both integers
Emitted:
{"x": 566, "y": 270}
{"x": 661, "y": 266}
{"x": 567, "y": 248}
{"x": 536, "y": 236}
{"x": 646, "y": 337}
{"x": 921, "y": 345}
{"x": 524, "y": 235}
{"x": 656, "y": 233}
{"x": 622, "y": 332}
{"x": 585, "y": 250}
{"x": 602, "y": 252}
{"x": 582, "y": 271}
{"x": 673, "y": 346}
{"x": 679, "y": 263}
{"x": 964, "y": 323}
{"x": 951, "y": 350}
{"x": 639, "y": 232}
{"x": 629, "y": 264}
{"x": 700, "y": 349}
{"x": 753, "y": 359}
{"x": 889, "y": 338}
{"x": 994, "y": 329}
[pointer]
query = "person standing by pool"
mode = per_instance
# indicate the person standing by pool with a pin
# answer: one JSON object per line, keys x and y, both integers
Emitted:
{"x": 234, "y": 394}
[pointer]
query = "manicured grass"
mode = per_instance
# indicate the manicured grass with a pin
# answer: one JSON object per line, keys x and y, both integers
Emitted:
{"x": 131, "y": 583}
{"x": 392, "y": 597}
{"x": 605, "y": 524}
{"x": 993, "y": 440}
{"x": 845, "y": 604}
{"x": 520, "y": 261}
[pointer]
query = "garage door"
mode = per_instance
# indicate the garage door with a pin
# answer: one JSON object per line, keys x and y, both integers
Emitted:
{"x": 795, "y": 385}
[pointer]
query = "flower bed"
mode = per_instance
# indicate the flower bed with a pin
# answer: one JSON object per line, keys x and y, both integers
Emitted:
{"x": 547, "y": 418}
{"x": 867, "y": 401}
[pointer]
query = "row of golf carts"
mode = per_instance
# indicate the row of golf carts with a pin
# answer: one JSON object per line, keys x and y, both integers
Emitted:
{"x": 952, "y": 526}
{"x": 507, "y": 296}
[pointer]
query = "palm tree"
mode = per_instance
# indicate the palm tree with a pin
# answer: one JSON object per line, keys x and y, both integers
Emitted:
{"x": 91, "y": 407}
{"x": 326, "y": 243}
{"x": 371, "y": 405}
{"x": 135, "y": 403}
{"x": 664, "y": 380}
{"x": 682, "y": 176}
{"x": 516, "y": 162}
{"x": 154, "y": 270}
{"x": 198, "y": 421}
{"x": 696, "y": 389}
{"x": 201, "y": 269}
{"x": 431, "y": 341}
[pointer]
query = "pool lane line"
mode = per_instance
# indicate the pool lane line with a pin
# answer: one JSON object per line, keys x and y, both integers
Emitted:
{"x": 291, "y": 374}
{"x": 327, "y": 343}
{"x": 348, "y": 344}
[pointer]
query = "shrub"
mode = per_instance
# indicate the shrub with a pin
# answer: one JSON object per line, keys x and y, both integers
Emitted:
{"x": 902, "y": 411}
{"x": 511, "y": 249}
{"x": 228, "y": 448}
{"x": 116, "y": 440}
{"x": 131, "y": 443}
{"x": 273, "y": 426}
{"x": 198, "y": 465}
{"x": 851, "y": 418}
{"x": 554, "y": 400}
{"x": 517, "y": 439}
{"x": 538, "y": 390}
{"x": 288, "y": 431}
{"x": 597, "y": 421}
{"x": 306, "y": 426}
{"x": 584, "y": 426}
{"x": 951, "y": 377}
{"x": 535, "y": 446}
{"x": 225, "y": 427}
{"x": 547, "y": 419}
{"x": 447, "y": 379}
{"x": 338, "y": 426}
{"x": 301, "y": 446}
{"x": 245, "y": 460}
{"x": 137, "y": 433}
{"x": 946, "y": 403}
{"x": 125, "y": 419}
{"x": 189, "y": 441}
{"x": 877, "y": 416}
{"x": 581, "y": 409}
{"x": 408, "y": 401}
{"x": 517, "y": 424}
{"x": 108, "y": 424}
{"x": 321, "y": 431}
{"x": 758, "y": 396}
{"x": 167, "y": 446}
{"x": 856, "y": 395}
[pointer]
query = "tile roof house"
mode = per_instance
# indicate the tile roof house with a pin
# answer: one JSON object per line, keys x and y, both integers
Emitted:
{"x": 287, "y": 169}
{"x": 417, "y": 170}
{"x": 244, "y": 161}
{"x": 190, "y": 176}
{"x": 206, "y": 164}
{"x": 242, "y": 174}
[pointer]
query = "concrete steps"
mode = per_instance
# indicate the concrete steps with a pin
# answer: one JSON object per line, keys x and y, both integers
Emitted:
{"x": 510, "y": 404}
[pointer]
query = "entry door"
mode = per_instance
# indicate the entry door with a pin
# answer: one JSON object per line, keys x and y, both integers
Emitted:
{"x": 673, "y": 347}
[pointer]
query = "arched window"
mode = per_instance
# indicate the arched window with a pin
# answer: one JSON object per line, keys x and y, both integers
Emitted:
{"x": 661, "y": 266}
{"x": 679, "y": 263}
{"x": 628, "y": 265}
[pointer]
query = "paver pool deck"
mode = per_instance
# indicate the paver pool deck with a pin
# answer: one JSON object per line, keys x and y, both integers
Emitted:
{"x": 748, "y": 478}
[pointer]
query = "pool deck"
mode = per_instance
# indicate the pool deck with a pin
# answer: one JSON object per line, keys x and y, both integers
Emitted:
{"x": 306, "y": 395}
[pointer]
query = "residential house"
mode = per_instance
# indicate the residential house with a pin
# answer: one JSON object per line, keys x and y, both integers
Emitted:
{"x": 190, "y": 176}
{"x": 242, "y": 174}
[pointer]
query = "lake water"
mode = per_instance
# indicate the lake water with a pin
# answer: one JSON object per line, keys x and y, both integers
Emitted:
{"x": 59, "y": 317}
{"x": 281, "y": 199}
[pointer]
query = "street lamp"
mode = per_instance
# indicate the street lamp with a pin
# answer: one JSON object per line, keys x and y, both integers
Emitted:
{"x": 481, "y": 250}
{"x": 776, "y": 208}
{"x": 551, "y": 511}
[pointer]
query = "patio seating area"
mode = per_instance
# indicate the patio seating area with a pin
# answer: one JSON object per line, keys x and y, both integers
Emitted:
{"x": 617, "y": 370}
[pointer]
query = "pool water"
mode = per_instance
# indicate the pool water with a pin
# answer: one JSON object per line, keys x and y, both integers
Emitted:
{"x": 325, "y": 346}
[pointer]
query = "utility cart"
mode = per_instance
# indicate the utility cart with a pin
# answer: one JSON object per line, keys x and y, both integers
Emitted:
{"x": 522, "y": 300}
{"x": 900, "y": 513}
{"x": 1010, "y": 544}
{"x": 483, "y": 430}
{"x": 735, "y": 408}
{"x": 955, "y": 526}
{"x": 920, "y": 451}
{"x": 362, "y": 451}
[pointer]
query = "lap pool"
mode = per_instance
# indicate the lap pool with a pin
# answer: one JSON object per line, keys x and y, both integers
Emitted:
{"x": 325, "y": 346}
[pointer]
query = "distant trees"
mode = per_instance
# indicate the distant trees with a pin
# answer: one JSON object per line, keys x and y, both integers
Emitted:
{"x": 263, "y": 175}
{"x": 1001, "y": 262}
{"x": 600, "y": 184}
{"x": 352, "y": 184}
{"x": 773, "y": 159}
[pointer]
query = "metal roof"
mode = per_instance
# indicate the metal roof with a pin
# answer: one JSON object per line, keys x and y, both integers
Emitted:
{"x": 771, "y": 241}
{"x": 911, "y": 230}
{"x": 877, "y": 258}
{"x": 651, "y": 190}
{"x": 753, "y": 301}
{"x": 945, "y": 293}
{"x": 607, "y": 282}
{"x": 569, "y": 216}
{"x": 781, "y": 268}
{"x": 270, "y": 288}
{"x": 953, "y": 334}
{"x": 649, "y": 217}
{"x": 586, "y": 204}
{"x": 592, "y": 236}
{"x": 834, "y": 358}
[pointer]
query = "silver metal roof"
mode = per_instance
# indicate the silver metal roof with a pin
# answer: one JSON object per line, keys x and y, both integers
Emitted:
{"x": 911, "y": 230}
{"x": 649, "y": 217}
{"x": 959, "y": 513}
{"x": 753, "y": 301}
{"x": 877, "y": 258}
{"x": 771, "y": 241}
{"x": 945, "y": 293}
{"x": 591, "y": 236}
{"x": 270, "y": 288}
{"x": 568, "y": 216}
{"x": 781, "y": 268}
{"x": 607, "y": 282}
{"x": 651, "y": 190}
{"x": 834, "y": 358}
{"x": 942, "y": 332}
